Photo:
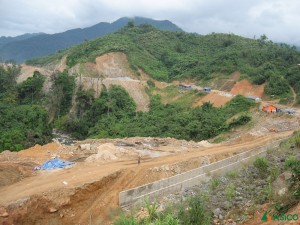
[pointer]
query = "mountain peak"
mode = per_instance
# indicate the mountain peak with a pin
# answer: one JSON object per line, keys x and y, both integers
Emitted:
{"x": 29, "y": 46}
{"x": 159, "y": 24}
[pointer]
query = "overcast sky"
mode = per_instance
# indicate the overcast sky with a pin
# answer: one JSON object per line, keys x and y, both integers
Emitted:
{"x": 278, "y": 19}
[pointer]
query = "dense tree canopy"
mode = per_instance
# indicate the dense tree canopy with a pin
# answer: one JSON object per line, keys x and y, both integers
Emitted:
{"x": 22, "y": 124}
{"x": 114, "y": 114}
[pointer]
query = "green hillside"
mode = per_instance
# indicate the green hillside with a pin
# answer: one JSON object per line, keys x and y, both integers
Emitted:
{"x": 28, "y": 113}
{"x": 169, "y": 55}
{"x": 164, "y": 55}
{"x": 24, "y": 47}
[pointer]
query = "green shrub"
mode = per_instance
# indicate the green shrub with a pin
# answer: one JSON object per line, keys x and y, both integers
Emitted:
{"x": 274, "y": 173}
{"x": 297, "y": 141}
{"x": 169, "y": 219}
{"x": 123, "y": 220}
{"x": 232, "y": 174}
{"x": 150, "y": 83}
{"x": 197, "y": 214}
{"x": 152, "y": 209}
{"x": 230, "y": 192}
{"x": 214, "y": 183}
{"x": 241, "y": 120}
{"x": 262, "y": 165}
{"x": 294, "y": 166}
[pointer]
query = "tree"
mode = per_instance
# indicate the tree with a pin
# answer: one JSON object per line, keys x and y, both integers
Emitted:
{"x": 263, "y": 38}
{"x": 30, "y": 91}
{"x": 62, "y": 93}
{"x": 130, "y": 24}
{"x": 84, "y": 100}
{"x": 277, "y": 86}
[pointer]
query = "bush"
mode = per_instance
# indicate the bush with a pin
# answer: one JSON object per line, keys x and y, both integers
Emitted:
{"x": 297, "y": 141}
{"x": 197, "y": 214}
{"x": 230, "y": 193}
{"x": 262, "y": 165}
{"x": 123, "y": 220}
{"x": 150, "y": 83}
{"x": 215, "y": 182}
{"x": 167, "y": 220}
{"x": 241, "y": 120}
{"x": 294, "y": 166}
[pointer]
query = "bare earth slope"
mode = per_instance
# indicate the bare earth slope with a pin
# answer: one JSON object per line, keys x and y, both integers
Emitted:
{"x": 113, "y": 69}
{"x": 71, "y": 196}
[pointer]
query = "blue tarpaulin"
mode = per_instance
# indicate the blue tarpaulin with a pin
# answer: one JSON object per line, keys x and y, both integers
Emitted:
{"x": 55, "y": 163}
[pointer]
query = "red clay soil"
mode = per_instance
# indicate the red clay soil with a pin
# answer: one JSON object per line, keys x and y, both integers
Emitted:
{"x": 215, "y": 98}
{"x": 39, "y": 153}
{"x": 244, "y": 87}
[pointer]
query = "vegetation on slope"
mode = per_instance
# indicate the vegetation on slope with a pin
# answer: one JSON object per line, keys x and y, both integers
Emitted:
{"x": 169, "y": 55}
{"x": 23, "y": 123}
{"x": 25, "y": 47}
{"x": 25, "y": 120}
{"x": 114, "y": 115}
{"x": 166, "y": 56}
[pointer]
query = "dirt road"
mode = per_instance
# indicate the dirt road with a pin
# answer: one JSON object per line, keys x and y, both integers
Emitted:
{"x": 89, "y": 189}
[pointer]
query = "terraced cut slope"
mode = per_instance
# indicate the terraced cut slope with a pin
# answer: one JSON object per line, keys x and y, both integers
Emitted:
{"x": 113, "y": 69}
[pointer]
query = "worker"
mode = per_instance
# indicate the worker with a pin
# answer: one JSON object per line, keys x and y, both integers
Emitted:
{"x": 139, "y": 160}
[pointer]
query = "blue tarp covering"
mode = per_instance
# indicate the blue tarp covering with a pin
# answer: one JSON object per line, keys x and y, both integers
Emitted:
{"x": 55, "y": 163}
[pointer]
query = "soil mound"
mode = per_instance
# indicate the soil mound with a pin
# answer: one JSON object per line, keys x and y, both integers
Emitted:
{"x": 106, "y": 152}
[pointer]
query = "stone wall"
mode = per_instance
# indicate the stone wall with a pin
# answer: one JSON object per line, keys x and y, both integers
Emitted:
{"x": 191, "y": 178}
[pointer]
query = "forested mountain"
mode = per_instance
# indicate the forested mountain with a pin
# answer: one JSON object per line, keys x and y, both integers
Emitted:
{"x": 167, "y": 55}
{"x": 5, "y": 40}
{"x": 163, "y": 55}
{"x": 26, "y": 47}
{"x": 25, "y": 113}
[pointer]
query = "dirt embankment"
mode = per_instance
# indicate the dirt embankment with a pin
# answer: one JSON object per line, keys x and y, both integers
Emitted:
{"x": 113, "y": 69}
{"x": 244, "y": 87}
{"x": 218, "y": 99}
{"x": 27, "y": 71}
{"x": 90, "y": 188}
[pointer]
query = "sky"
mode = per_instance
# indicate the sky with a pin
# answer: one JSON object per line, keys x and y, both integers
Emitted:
{"x": 279, "y": 20}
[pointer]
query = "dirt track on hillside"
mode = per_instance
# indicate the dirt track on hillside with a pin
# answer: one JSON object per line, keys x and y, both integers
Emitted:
{"x": 96, "y": 186}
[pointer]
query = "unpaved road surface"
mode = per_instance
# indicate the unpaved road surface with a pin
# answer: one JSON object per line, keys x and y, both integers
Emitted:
{"x": 74, "y": 195}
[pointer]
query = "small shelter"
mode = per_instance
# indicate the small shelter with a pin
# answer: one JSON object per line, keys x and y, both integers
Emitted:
{"x": 270, "y": 109}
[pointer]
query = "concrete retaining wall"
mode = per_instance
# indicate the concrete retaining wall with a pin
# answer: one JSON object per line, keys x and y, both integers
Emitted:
{"x": 191, "y": 178}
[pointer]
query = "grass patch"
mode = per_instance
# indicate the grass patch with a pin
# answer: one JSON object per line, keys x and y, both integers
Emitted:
{"x": 232, "y": 174}
{"x": 218, "y": 140}
{"x": 215, "y": 182}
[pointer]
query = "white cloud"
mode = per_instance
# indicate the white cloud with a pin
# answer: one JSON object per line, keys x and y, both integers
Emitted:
{"x": 278, "y": 19}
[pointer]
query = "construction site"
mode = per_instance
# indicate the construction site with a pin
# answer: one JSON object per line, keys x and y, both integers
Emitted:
{"x": 105, "y": 167}
{"x": 110, "y": 174}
